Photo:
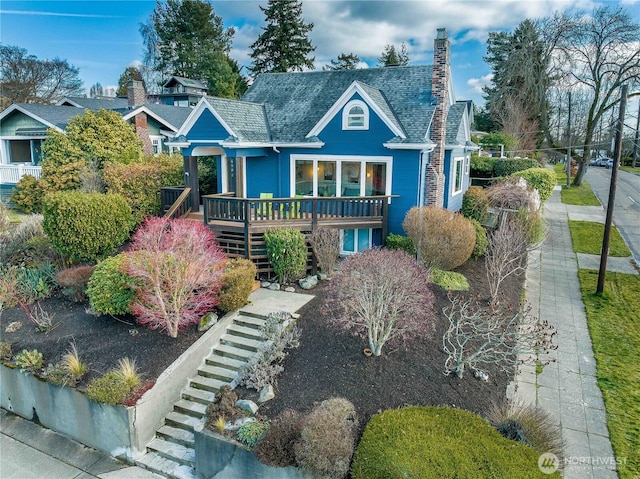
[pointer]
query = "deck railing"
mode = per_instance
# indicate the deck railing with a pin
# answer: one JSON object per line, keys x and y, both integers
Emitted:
{"x": 254, "y": 210}
{"x": 12, "y": 174}
{"x": 176, "y": 200}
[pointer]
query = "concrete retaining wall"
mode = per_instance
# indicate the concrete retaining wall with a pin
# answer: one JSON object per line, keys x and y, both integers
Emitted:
{"x": 221, "y": 458}
{"x": 120, "y": 431}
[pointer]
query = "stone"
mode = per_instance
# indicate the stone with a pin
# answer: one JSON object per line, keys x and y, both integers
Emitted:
{"x": 266, "y": 394}
{"x": 265, "y": 284}
{"x": 290, "y": 289}
{"x": 247, "y": 406}
{"x": 238, "y": 423}
{"x": 207, "y": 321}
{"x": 481, "y": 375}
{"x": 322, "y": 276}
{"x": 309, "y": 282}
{"x": 274, "y": 287}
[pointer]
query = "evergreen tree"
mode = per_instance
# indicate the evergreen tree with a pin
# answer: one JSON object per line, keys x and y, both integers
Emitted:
{"x": 283, "y": 44}
{"x": 96, "y": 90}
{"x": 186, "y": 38}
{"x": 130, "y": 73}
{"x": 391, "y": 57}
{"x": 345, "y": 61}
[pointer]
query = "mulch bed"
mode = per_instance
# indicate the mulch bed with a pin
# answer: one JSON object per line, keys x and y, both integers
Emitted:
{"x": 330, "y": 363}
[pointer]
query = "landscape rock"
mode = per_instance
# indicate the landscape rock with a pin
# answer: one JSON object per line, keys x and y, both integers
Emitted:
{"x": 238, "y": 423}
{"x": 309, "y": 282}
{"x": 290, "y": 289}
{"x": 274, "y": 287}
{"x": 322, "y": 276}
{"x": 247, "y": 405}
{"x": 265, "y": 284}
{"x": 207, "y": 321}
{"x": 266, "y": 394}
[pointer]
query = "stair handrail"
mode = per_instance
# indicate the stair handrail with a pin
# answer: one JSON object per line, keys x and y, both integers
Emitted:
{"x": 178, "y": 203}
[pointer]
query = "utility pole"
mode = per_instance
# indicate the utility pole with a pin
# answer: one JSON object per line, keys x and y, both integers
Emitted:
{"x": 634, "y": 161}
{"x": 568, "y": 165}
{"x": 612, "y": 192}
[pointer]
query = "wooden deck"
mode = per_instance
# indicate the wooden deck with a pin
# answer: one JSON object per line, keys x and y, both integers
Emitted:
{"x": 239, "y": 223}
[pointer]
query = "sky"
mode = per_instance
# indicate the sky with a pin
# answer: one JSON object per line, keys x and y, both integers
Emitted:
{"x": 102, "y": 38}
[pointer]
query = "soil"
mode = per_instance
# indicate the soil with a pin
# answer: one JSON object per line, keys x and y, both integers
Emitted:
{"x": 329, "y": 362}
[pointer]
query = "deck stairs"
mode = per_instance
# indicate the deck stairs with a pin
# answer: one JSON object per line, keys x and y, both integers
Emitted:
{"x": 171, "y": 453}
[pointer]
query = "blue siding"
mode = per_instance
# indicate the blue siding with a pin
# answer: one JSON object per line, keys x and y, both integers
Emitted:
{"x": 207, "y": 127}
{"x": 452, "y": 202}
{"x": 262, "y": 176}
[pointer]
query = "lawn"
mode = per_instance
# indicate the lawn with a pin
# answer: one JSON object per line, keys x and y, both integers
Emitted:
{"x": 635, "y": 171}
{"x": 579, "y": 195}
{"x": 561, "y": 173}
{"x": 613, "y": 320}
{"x": 587, "y": 238}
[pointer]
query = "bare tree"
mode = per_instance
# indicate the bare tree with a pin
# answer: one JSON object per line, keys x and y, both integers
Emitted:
{"x": 506, "y": 255}
{"x": 595, "y": 55}
{"x": 492, "y": 335}
{"x": 326, "y": 246}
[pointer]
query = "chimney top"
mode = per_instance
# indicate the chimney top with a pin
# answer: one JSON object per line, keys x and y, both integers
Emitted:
{"x": 442, "y": 34}
{"x": 136, "y": 93}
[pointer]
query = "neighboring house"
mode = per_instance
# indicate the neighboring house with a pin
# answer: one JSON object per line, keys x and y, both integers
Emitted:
{"x": 24, "y": 126}
{"x": 353, "y": 149}
{"x": 180, "y": 91}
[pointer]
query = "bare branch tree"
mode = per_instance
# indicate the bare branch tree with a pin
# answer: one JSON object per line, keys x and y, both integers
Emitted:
{"x": 326, "y": 246}
{"x": 506, "y": 254}
{"x": 492, "y": 335}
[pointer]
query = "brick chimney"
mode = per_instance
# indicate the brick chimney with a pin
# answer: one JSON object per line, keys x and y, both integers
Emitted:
{"x": 440, "y": 98}
{"x": 136, "y": 94}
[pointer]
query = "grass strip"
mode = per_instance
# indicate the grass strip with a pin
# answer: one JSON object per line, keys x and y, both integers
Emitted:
{"x": 579, "y": 195}
{"x": 586, "y": 237}
{"x": 614, "y": 319}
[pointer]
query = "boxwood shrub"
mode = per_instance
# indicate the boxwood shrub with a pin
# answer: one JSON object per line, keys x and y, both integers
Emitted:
{"x": 541, "y": 179}
{"x": 111, "y": 388}
{"x": 439, "y": 442}
{"x": 110, "y": 289}
{"x": 86, "y": 226}
{"x": 400, "y": 242}
{"x": 237, "y": 284}
{"x": 475, "y": 203}
{"x": 482, "y": 242}
{"x": 287, "y": 253}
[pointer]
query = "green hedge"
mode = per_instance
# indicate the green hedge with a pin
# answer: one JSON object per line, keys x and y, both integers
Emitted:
{"x": 475, "y": 203}
{"x": 508, "y": 166}
{"x": 482, "y": 242}
{"x": 439, "y": 442}
{"x": 403, "y": 243}
{"x": 541, "y": 179}
{"x": 287, "y": 253}
{"x": 485, "y": 164}
{"x": 86, "y": 226}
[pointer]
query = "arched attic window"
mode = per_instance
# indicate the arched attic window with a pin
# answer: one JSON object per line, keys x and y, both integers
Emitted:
{"x": 355, "y": 116}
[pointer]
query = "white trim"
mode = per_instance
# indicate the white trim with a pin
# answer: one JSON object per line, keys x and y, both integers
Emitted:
{"x": 203, "y": 105}
{"x": 339, "y": 159}
{"x": 467, "y": 164}
{"x": 223, "y": 173}
{"x": 343, "y": 100}
{"x": 144, "y": 109}
{"x": 410, "y": 146}
{"x": 15, "y": 107}
{"x": 456, "y": 160}
{"x": 343, "y": 252}
{"x": 346, "y": 115}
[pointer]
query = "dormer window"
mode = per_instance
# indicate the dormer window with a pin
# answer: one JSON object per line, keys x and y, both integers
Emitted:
{"x": 355, "y": 116}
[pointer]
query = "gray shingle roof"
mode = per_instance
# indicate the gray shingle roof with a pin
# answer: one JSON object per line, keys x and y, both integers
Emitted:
{"x": 186, "y": 82}
{"x": 175, "y": 115}
{"x": 378, "y": 97}
{"x": 455, "y": 127}
{"x": 295, "y": 102}
{"x": 247, "y": 120}
{"x": 56, "y": 115}
{"x": 100, "y": 103}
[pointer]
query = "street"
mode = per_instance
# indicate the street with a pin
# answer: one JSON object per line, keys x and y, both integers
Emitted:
{"x": 626, "y": 215}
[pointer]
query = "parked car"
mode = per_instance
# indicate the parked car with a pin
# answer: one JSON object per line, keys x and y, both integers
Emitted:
{"x": 593, "y": 161}
{"x": 602, "y": 161}
{"x": 609, "y": 163}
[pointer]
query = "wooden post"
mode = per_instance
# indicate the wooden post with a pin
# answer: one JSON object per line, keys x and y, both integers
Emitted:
{"x": 191, "y": 180}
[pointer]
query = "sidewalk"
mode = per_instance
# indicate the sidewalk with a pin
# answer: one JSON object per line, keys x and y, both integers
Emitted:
{"x": 567, "y": 388}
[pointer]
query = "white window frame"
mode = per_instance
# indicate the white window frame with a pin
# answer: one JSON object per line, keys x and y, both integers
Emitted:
{"x": 457, "y": 161}
{"x": 346, "y": 115}
{"x": 355, "y": 241}
{"x": 158, "y": 145}
{"x": 339, "y": 159}
{"x": 467, "y": 164}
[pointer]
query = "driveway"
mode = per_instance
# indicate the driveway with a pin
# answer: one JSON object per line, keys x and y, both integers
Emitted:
{"x": 626, "y": 214}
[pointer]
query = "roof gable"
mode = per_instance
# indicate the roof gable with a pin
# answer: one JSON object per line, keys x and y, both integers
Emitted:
{"x": 374, "y": 99}
{"x": 171, "y": 117}
{"x": 95, "y": 103}
{"x": 51, "y": 116}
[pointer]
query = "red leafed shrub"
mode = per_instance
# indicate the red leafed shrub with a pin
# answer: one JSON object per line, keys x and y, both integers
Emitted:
{"x": 179, "y": 268}
{"x": 381, "y": 295}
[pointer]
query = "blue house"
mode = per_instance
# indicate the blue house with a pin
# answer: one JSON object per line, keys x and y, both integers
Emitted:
{"x": 350, "y": 149}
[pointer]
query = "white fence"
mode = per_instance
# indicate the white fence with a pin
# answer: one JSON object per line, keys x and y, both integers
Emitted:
{"x": 12, "y": 173}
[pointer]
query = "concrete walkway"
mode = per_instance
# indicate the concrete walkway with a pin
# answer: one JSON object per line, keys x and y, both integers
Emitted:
{"x": 567, "y": 388}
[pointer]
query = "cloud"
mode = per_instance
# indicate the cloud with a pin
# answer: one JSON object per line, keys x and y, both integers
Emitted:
{"x": 477, "y": 84}
{"x": 55, "y": 14}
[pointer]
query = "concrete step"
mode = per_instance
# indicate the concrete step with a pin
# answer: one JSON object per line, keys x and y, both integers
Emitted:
{"x": 173, "y": 434}
{"x": 215, "y": 372}
{"x": 224, "y": 362}
{"x": 233, "y": 352}
{"x": 182, "y": 421}
{"x": 208, "y": 384}
{"x": 198, "y": 395}
{"x": 172, "y": 451}
{"x": 190, "y": 408}
{"x": 249, "y": 320}
{"x": 243, "y": 331}
{"x": 165, "y": 467}
{"x": 239, "y": 342}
